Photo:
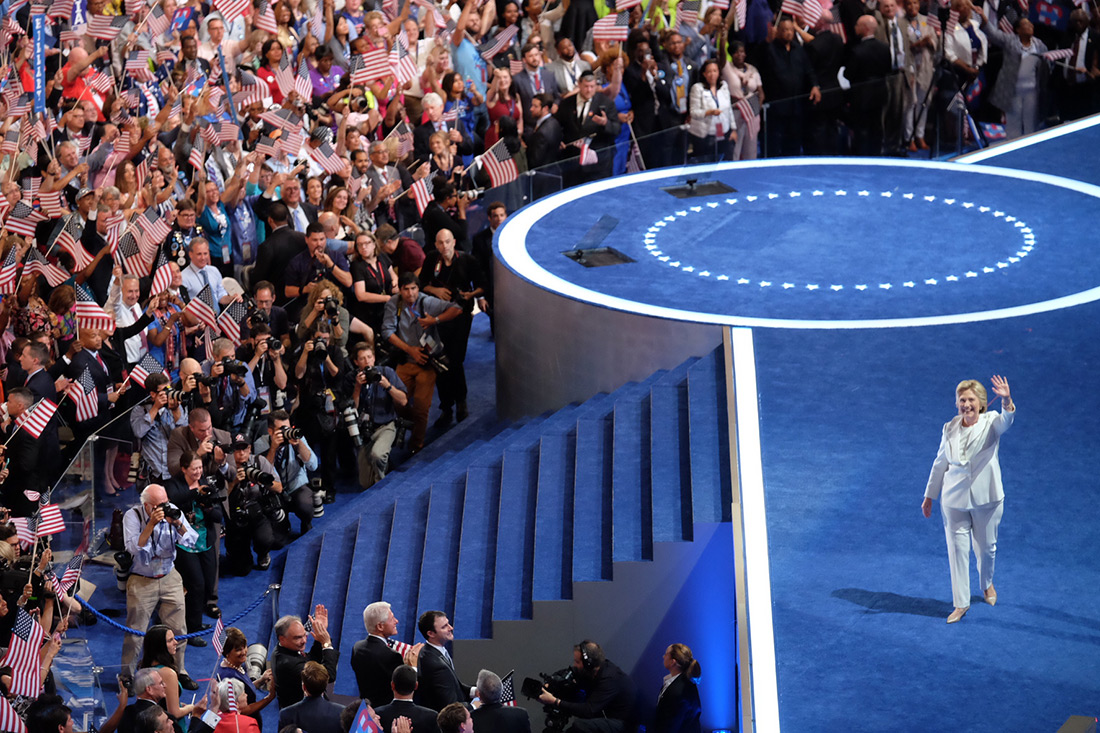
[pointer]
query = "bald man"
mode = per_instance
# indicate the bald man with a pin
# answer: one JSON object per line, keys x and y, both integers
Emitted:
{"x": 867, "y": 69}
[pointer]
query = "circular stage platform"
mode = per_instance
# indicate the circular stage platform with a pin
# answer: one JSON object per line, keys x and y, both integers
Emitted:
{"x": 791, "y": 243}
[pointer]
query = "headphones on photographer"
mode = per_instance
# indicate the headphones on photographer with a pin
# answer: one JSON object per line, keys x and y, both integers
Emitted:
{"x": 587, "y": 663}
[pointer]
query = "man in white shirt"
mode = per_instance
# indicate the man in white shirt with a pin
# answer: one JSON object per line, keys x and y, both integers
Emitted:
{"x": 127, "y": 313}
{"x": 201, "y": 273}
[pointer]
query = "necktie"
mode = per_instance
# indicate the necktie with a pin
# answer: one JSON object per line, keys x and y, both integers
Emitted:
{"x": 204, "y": 278}
{"x": 100, "y": 360}
{"x": 538, "y": 82}
{"x": 680, "y": 86}
{"x": 447, "y": 657}
{"x": 583, "y": 110}
{"x": 299, "y": 220}
{"x": 896, "y": 41}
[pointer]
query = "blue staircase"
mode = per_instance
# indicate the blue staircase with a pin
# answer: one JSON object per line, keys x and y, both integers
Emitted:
{"x": 484, "y": 531}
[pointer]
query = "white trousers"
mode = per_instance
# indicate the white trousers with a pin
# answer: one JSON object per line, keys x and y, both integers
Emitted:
{"x": 977, "y": 526}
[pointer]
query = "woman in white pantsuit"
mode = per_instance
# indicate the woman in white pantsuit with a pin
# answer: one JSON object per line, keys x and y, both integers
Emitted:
{"x": 966, "y": 478}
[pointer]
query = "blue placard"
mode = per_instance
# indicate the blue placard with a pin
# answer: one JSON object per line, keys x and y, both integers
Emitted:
{"x": 39, "y": 24}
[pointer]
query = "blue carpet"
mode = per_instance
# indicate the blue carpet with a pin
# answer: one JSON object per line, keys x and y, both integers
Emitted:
{"x": 850, "y": 423}
{"x": 1071, "y": 155}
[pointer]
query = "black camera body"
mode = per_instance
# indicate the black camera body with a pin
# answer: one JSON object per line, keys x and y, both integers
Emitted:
{"x": 234, "y": 368}
{"x": 274, "y": 344}
{"x": 171, "y": 511}
{"x": 257, "y": 475}
{"x": 373, "y": 374}
{"x": 332, "y": 307}
{"x": 320, "y": 348}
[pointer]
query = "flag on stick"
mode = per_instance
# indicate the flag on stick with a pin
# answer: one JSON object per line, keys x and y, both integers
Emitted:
{"x": 22, "y": 656}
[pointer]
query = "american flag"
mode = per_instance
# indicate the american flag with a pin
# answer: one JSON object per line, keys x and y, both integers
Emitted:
{"x": 106, "y": 27}
{"x": 401, "y": 62}
{"x": 10, "y": 143}
{"x": 9, "y": 719}
{"x": 399, "y": 646}
{"x": 687, "y": 12}
{"x": 219, "y": 636}
{"x": 133, "y": 7}
{"x": 141, "y": 371}
{"x": 61, "y": 10}
{"x": 265, "y": 19}
{"x": 230, "y": 321}
{"x": 1058, "y": 55}
{"x": 612, "y": 27}
{"x": 158, "y": 21}
{"x": 68, "y": 239}
{"x": 8, "y": 271}
{"x": 952, "y": 21}
{"x": 808, "y": 10}
{"x": 132, "y": 260}
{"x": 86, "y": 396}
{"x": 836, "y": 25}
{"x": 50, "y": 520}
{"x": 367, "y": 67}
{"x": 21, "y": 105}
{"x": 35, "y": 262}
{"x": 421, "y": 192}
{"x": 284, "y": 76}
{"x": 35, "y": 420}
{"x": 749, "y": 107}
{"x": 588, "y": 156}
{"x": 634, "y": 162}
{"x": 498, "y": 164}
{"x": 162, "y": 276}
{"x": 25, "y": 529}
{"x": 283, "y": 119}
{"x": 404, "y": 136}
{"x": 253, "y": 89}
{"x": 89, "y": 314}
{"x": 198, "y": 153}
{"x": 137, "y": 65}
{"x": 291, "y": 142}
{"x": 327, "y": 158}
{"x": 202, "y": 308}
{"x": 266, "y": 146}
{"x": 153, "y": 228}
{"x": 499, "y": 42}
{"x": 50, "y": 203}
{"x": 22, "y": 656}
{"x": 508, "y": 691}
{"x": 72, "y": 572}
{"x": 22, "y": 219}
{"x": 516, "y": 66}
{"x": 115, "y": 223}
{"x": 231, "y": 9}
{"x": 100, "y": 82}
{"x": 303, "y": 83}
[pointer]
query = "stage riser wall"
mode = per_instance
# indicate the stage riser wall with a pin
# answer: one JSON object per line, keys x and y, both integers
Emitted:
{"x": 552, "y": 351}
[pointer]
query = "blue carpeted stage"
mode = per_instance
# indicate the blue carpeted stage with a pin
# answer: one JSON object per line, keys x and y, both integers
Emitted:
{"x": 870, "y": 288}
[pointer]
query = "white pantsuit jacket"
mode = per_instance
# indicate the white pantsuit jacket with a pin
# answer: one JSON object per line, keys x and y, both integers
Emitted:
{"x": 967, "y": 472}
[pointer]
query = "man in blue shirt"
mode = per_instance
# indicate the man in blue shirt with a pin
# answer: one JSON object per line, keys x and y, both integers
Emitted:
{"x": 293, "y": 460}
{"x": 377, "y": 393}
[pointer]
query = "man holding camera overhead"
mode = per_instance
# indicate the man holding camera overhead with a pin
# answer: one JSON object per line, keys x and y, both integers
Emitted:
{"x": 151, "y": 532}
{"x": 377, "y": 393}
{"x": 287, "y": 450}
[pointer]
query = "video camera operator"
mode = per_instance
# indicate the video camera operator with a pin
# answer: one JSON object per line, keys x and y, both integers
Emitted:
{"x": 256, "y": 512}
{"x": 263, "y": 353}
{"x": 317, "y": 369}
{"x": 289, "y": 452}
{"x": 608, "y": 699}
{"x": 200, "y": 498}
{"x": 153, "y": 424}
{"x": 232, "y": 386}
{"x": 151, "y": 532}
{"x": 377, "y": 394}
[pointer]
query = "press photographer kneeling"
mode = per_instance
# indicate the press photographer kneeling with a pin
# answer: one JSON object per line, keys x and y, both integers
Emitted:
{"x": 376, "y": 393}
{"x": 256, "y": 513}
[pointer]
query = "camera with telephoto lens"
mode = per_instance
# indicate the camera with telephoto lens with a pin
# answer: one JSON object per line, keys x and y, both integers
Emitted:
{"x": 332, "y": 308}
{"x": 350, "y": 416}
{"x": 274, "y": 344}
{"x": 562, "y": 685}
{"x": 320, "y": 348}
{"x": 171, "y": 511}
{"x": 291, "y": 433}
{"x": 234, "y": 368}
{"x": 185, "y": 399}
{"x": 257, "y": 475}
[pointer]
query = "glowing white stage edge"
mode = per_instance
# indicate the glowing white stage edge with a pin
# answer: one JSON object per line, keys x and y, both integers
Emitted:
{"x": 765, "y": 693}
{"x": 1028, "y": 140}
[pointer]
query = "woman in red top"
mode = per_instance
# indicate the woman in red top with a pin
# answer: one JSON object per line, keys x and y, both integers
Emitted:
{"x": 272, "y": 53}
{"x": 502, "y": 101}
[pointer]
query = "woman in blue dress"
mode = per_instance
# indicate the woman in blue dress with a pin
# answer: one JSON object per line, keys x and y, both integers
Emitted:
{"x": 610, "y": 75}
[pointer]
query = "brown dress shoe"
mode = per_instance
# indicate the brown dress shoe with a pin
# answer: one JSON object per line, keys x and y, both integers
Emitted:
{"x": 922, "y": 144}
{"x": 912, "y": 146}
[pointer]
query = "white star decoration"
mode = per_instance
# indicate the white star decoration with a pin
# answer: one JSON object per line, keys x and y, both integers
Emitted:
{"x": 649, "y": 239}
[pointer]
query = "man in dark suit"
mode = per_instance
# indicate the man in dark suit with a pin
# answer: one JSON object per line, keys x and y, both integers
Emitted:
{"x": 787, "y": 70}
{"x": 281, "y": 246}
{"x": 149, "y": 692}
{"x": 313, "y": 713}
{"x": 482, "y": 249}
{"x": 1076, "y": 82}
{"x": 105, "y": 366}
{"x": 592, "y": 115}
{"x": 535, "y": 79}
{"x": 492, "y": 716}
{"x": 433, "y": 106}
{"x": 33, "y": 361}
{"x": 291, "y": 657}
{"x": 436, "y": 217}
{"x": 867, "y": 69}
{"x": 403, "y": 685}
{"x": 23, "y": 456}
{"x": 544, "y": 133}
{"x": 372, "y": 659}
{"x": 439, "y": 684}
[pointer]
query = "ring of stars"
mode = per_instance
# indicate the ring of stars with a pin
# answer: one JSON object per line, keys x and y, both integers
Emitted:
{"x": 1027, "y": 242}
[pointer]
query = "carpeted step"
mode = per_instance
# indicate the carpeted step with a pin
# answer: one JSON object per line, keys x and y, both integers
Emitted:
{"x": 515, "y": 542}
{"x": 403, "y": 557}
{"x": 709, "y": 434}
{"x": 297, "y": 582}
{"x": 631, "y": 494}
{"x": 330, "y": 588}
{"x": 592, "y": 482}
{"x": 368, "y": 571}
{"x": 439, "y": 570}
{"x": 473, "y": 616}
{"x": 670, "y": 456}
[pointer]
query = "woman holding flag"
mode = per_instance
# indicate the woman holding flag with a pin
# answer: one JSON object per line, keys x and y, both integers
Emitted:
{"x": 234, "y": 651}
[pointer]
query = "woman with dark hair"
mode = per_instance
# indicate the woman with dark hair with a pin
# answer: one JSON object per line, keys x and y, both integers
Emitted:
{"x": 711, "y": 128}
{"x": 234, "y": 654}
{"x": 461, "y": 96}
{"x": 158, "y": 651}
{"x": 340, "y": 43}
{"x": 373, "y": 281}
{"x": 743, "y": 81}
{"x": 197, "y": 565}
{"x": 678, "y": 706}
{"x": 326, "y": 73}
{"x": 62, "y": 319}
{"x": 271, "y": 54}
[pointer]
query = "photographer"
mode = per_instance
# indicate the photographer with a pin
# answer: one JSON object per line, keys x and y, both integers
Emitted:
{"x": 256, "y": 513}
{"x": 292, "y": 458}
{"x": 196, "y": 391}
{"x": 377, "y": 393}
{"x": 151, "y": 532}
{"x": 231, "y": 384}
{"x": 608, "y": 700}
{"x": 199, "y": 498}
{"x": 317, "y": 375}
{"x": 264, "y": 310}
{"x": 410, "y": 324}
{"x": 153, "y": 424}
{"x": 325, "y": 304}
{"x": 263, "y": 353}
{"x": 200, "y": 436}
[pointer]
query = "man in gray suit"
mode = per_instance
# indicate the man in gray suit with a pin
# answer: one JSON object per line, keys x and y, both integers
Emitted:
{"x": 313, "y": 713}
{"x": 568, "y": 67}
{"x": 891, "y": 31}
